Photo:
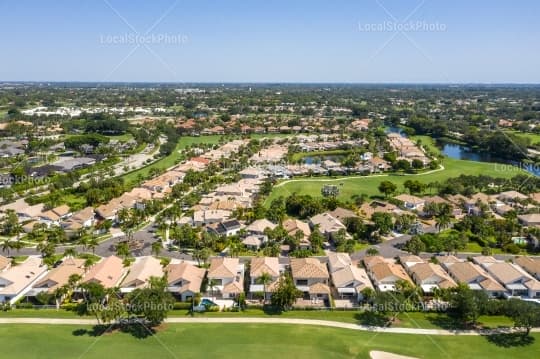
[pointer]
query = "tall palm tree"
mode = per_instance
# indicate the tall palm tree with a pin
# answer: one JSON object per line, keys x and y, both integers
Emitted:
{"x": 212, "y": 284}
{"x": 265, "y": 279}
{"x": 442, "y": 221}
{"x": 70, "y": 252}
{"x": 7, "y": 246}
{"x": 156, "y": 248}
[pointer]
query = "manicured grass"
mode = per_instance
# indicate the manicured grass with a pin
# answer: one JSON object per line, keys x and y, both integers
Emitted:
{"x": 369, "y": 184}
{"x": 24, "y": 341}
{"x": 534, "y": 137}
{"x": 407, "y": 320}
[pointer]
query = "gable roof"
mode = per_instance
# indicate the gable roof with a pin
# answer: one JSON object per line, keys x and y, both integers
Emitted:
{"x": 327, "y": 223}
{"x": 338, "y": 260}
{"x": 107, "y": 272}
{"x": 260, "y": 265}
{"x": 59, "y": 276}
{"x": 531, "y": 265}
{"x": 190, "y": 275}
{"x": 423, "y": 271}
{"x": 20, "y": 276}
{"x": 260, "y": 225}
{"x": 308, "y": 268}
{"x": 223, "y": 267}
{"x": 350, "y": 273}
{"x": 141, "y": 271}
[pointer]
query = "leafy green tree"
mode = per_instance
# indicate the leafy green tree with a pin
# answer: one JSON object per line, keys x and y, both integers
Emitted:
{"x": 524, "y": 314}
{"x": 151, "y": 303}
{"x": 387, "y": 188}
{"x": 467, "y": 304}
{"x": 285, "y": 293}
{"x": 382, "y": 222}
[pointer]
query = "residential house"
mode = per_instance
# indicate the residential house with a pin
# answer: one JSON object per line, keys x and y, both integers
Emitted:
{"x": 16, "y": 281}
{"x": 475, "y": 277}
{"x": 350, "y": 281}
{"x": 259, "y": 226}
{"x": 385, "y": 273}
{"x": 84, "y": 218}
{"x": 430, "y": 276}
{"x": 338, "y": 260}
{"x": 292, "y": 226}
{"x": 59, "y": 276}
{"x": 204, "y": 217}
{"x": 108, "y": 272}
{"x": 225, "y": 228}
{"x": 411, "y": 202}
{"x": 530, "y": 264}
{"x": 260, "y": 266}
{"x": 326, "y": 224}
{"x": 529, "y": 220}
{"x": 341, "y": 214}
{"x": 227, "y": 276}
{"x": 310, "y": 277}
{"x": 254, "y": 242}
{"x": 517, "y": 282}
{"x": 184, "y": 279}
{"x": 140, "y": 273}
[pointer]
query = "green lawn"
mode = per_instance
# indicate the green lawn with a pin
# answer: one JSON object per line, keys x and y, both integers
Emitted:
{"x": 349, "y": 186}
{"x": 24, "y": 341}
{"x": 534, "y": 137}
{"x": 406, "y": 320}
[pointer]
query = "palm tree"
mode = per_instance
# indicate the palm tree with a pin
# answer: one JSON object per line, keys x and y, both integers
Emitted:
{"x": 7, "y": 245}
{"x": 122, "y": 249}
{"x": 70, "y": 252}
{"x": 92, "y": 244}
{"x": 212, "y": 284}
{"x": 156, "y": 248}
{"x": 442, "y": 221}
{"x": 265, "y": 279}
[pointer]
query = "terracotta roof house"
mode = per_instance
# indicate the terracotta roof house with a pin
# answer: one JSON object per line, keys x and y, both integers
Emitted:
{"x": 228, "y": 276}
{"x": 258, "y": 226}
{"x": 140, "y": 273}
{"x": 259, "y": 266}
{"x": 367, "y": 209}
{"x": 475, "y": 277}
{"x": 385, "y": 273}
{"x": 16, "y": 281}
{"x": 531, "y": 265}
{"x": 184, "y": 279}
{"x": 107, "y": 272}
{"x": 311, "y": 277}
{"x": 350, "y": 281}
{"x": 59, "y": 276}
{"x": 254, "y": 242}
{"x": 430, "y": 276}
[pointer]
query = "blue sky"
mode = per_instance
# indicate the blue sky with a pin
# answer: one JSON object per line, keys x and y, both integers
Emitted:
{"x": 271, "y": 41}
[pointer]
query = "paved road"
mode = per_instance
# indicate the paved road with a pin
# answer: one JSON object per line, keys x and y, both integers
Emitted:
{"x": 324, "y": 323}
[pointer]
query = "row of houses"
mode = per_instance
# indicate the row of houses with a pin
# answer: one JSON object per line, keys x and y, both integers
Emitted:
{"x": 318, "y": 279}
{"x": 31, "y": 277}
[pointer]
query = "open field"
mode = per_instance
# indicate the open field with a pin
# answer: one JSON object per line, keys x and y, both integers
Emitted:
{"x": 349, "y": 186}
{"x": 24, "y": 341}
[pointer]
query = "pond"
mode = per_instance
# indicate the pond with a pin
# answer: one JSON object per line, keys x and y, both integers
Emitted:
{"x": 461, "y": 152}
{"x": 310, "y": 160}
